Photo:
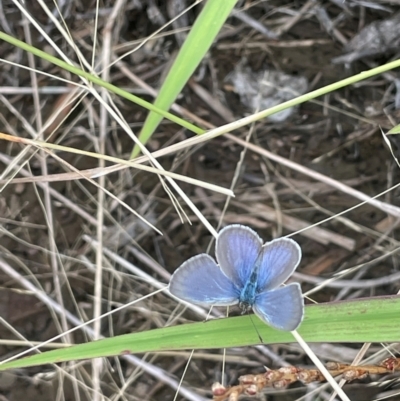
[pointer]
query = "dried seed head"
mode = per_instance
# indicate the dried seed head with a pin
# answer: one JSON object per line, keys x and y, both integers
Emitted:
{"x": 332, "y": 365}
{"x": 251, "y": 390}
{"x": 247, "y": 379}
{"x": 218, "y": 389}
{"x": 391, "y": 363}
{"x": 289, "y": 370}
{"x": 308, "y": 376}
{"x": 354, "y": 374}
{"x": 281, "y": 383}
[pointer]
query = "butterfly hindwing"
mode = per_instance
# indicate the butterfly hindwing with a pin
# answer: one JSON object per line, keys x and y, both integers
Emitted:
{"x": 281, "y": 308}
{"x": 199, "y": 280}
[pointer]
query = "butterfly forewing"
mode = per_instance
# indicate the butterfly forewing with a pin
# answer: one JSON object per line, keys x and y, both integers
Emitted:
{"x": 278, "y": 260}
{"x": 237, "y": 250}
{"x": 199, "y": 280}
{"x": 281, "y": 308}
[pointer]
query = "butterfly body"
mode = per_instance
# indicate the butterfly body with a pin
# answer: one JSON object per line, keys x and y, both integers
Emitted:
{"x": 248, "y": 293}
{"x": 248, "y": 274}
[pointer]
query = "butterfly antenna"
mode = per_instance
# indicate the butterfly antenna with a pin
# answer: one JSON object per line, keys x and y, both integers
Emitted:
{"x": 255, "y": 328}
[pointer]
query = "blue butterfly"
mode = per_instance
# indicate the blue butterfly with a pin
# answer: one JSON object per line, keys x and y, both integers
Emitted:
{"x": 247, "y": 274}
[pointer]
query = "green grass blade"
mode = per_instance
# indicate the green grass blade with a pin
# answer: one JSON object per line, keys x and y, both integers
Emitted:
{"x": 394, "y": 131}
{"x": 98, "y": 81}
{"x": 197, "y": 43}
{"x": 362, "y": 320}
{"x": 226, "y": 128}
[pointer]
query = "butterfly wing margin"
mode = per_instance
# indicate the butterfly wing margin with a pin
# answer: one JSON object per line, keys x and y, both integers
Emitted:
{"x": 282, "y": 308}
{"x": 278, "y": 260}
{"x": 200, "y": 281}
{"x": 237, "y": 249}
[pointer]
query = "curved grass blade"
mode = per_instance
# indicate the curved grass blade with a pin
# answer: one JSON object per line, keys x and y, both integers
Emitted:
{"x": 196, "y": 45}
{"x": 362, "y": 320}
{"x": 227, "y": 127}
{"x": 394, "y": 131}
{"x": 98, "y": 81}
